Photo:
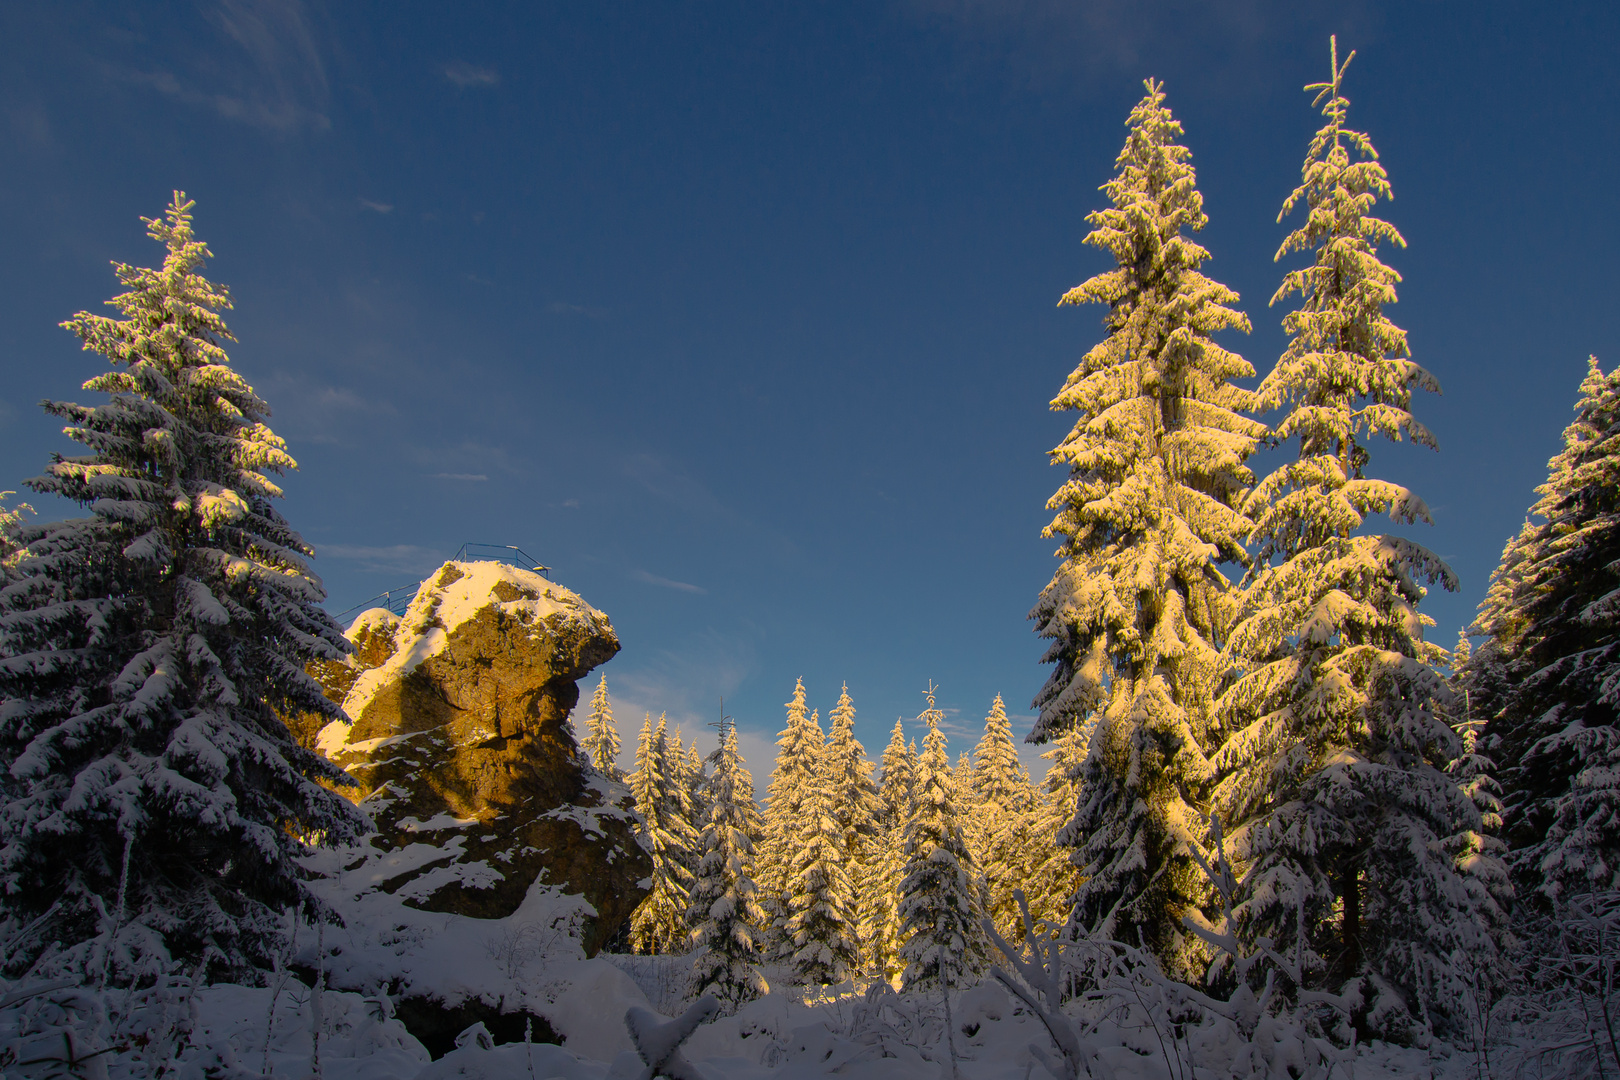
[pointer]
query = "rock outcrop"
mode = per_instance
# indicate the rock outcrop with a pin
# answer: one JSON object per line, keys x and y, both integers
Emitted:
{"x": 460, "y": 740}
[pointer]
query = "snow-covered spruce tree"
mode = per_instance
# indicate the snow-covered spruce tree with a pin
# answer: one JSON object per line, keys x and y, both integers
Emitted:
{"x": 1477, "y": 854}
{"x": 601, "y": 742}
{"x": 725, "y": 916}
{"x": 685, "y": 793}
{"x": 1332, "y": 772}
{"x": 897, "y": 779}
{"x": 1006, "y": 804}
{"x": 1553, "y": 616}
{"x": 658, "y": 925}
{"x": 1050, "y": 876}
{"x": 1495, "y": 666}
{"x": 943, "y": 944}
{"x": 821, "y": 931}
{"x": 879, "y": 896}
{"x": 859, "y": 810}
{"x": 857, "y": 806}
{"x": 150, "y": 790}
{"x": 697, "y": 785}
{"x": 1137, "y": 612}
{"x": 798, "y": 759}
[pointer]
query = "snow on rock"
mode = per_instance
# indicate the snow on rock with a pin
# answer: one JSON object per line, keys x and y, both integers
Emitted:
{"x": 458, "y": 735}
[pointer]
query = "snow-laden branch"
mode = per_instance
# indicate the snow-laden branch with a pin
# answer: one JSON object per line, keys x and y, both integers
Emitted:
{"x": 659, "y": 1043}
{"x": 1042, "y": 975}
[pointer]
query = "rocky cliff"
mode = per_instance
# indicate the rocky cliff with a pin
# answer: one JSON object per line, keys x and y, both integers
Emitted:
{"x": 460, "y": 740}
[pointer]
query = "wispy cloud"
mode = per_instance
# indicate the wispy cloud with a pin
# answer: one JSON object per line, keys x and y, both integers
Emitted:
{"x": 464, "y": 74}
{"x": 463, "y": 476}
{"x": 268, "y": 74}
{"x": 397, "y": 559}
{"x": 667, "y": 583}
{"x": 378, "y": 207}
{"x": 674, "y": 485}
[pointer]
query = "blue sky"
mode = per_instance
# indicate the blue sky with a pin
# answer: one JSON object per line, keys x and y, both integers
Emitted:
{"x": 742, "y": 315}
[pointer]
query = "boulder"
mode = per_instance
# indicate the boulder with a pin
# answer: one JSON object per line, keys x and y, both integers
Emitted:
{"x": 459, "y": 738}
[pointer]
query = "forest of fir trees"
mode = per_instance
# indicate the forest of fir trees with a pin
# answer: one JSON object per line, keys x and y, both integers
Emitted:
{"x": 1241, "y": 678}
{"x": 851, "y": 871}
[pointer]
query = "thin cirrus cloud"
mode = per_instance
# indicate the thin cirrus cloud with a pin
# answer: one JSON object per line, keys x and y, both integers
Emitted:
{"x": 276, "y": 79}
{"x": 667, "y": 583}
{"x": 464, "y": 477}
{"x": 377, "y": 207}
{"x": 464, "y": 74}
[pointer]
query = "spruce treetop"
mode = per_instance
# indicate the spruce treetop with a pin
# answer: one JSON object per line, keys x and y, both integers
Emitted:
{"x": 998, "y": 776}
{"x": 1347, "y": 374}
{"x": 1156, "y": 456}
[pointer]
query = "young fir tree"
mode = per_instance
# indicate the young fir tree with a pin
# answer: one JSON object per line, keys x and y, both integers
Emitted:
{"x": 1553, "y": 617}
{"x": 658, "y": 925}
{"x": 798, "y": 760}
{"x": 1333, "y": 772}
{"x": 150, "y": 791}
{"x": 1006, "y": 804}
{"x": 941, "y": 918}
{"x": 1138, "y": 610}
{"x": 725, "y": 915}
{"x": 601, "y": 742}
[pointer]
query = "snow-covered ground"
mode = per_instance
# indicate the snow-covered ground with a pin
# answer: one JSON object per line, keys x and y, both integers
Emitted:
{"x": 227, "y": 1031}
{"x": 1133, "y": 1024}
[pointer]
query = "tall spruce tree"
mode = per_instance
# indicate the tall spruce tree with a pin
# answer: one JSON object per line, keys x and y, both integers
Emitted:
{"x": 725, "y": 916}
{"x": 658, "y": 925}
{"x": 798, "y": 760}
{"x": 859, "y": 811}
{"x": 149, "y": 788}
{"x": 943, "y": 944}
{"x": 601, "y": 743}
{"x": 1137, "y": 612}
{"x": 857, "y": 805}
{"x": 1333, "y": 771}
{"x": 821, "y": 930}
{"x": 1551, "y": 666}
{"x": 879, "y": 894}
